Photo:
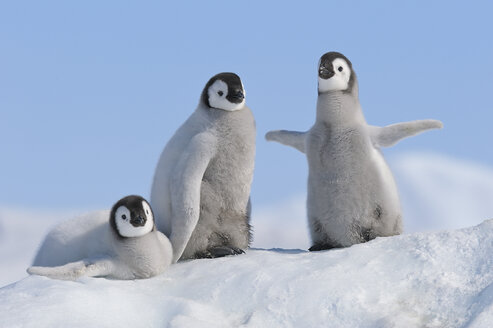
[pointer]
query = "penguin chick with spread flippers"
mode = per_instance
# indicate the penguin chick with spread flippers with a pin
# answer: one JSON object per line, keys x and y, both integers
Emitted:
{"x": 352, "y": 196}
{"x": 124, "y": 245}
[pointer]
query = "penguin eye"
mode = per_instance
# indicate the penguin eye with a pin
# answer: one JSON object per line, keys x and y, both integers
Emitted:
{"x": 147, "y": 212}
{"x": 220, "y": 93}
{"x": 124, "y": 217}
{"x": 340, "y": 69}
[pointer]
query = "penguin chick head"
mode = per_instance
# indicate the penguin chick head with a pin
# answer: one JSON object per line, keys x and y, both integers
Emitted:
{"x": 335, "y": 73}
{"x": 132, "y": 216}
{"x": 224, "y": 91}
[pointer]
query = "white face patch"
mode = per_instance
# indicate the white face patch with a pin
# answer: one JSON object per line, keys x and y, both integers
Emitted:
{"x": 217, "y": 97}
{"x": 148, "y": 212}
{"x": 340, "y": 79}
{"x": 126, "y": 229}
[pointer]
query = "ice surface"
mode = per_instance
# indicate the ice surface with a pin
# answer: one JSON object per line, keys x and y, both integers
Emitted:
{"x": 440, "y": 279}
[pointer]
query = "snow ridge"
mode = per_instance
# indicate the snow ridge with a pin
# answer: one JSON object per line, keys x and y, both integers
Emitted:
{"x": 440, "y": 279}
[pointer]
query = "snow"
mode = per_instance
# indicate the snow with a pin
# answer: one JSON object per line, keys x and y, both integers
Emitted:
{"x": 425, "y": 278}
{"x": 281, "y": 225}
{"x": 440, "y": 279}
{"x": 455, "y": 193}
{"x": 21, "y": 233}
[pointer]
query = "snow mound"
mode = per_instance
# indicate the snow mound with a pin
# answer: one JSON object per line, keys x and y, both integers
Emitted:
{"x": 441, "y": 192}
{"x": 441, "y": 279}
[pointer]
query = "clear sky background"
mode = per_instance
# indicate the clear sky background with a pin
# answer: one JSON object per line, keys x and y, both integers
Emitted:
{"x": 91, "y": 91}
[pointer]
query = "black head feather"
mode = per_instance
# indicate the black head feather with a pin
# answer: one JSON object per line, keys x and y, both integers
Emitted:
{"x": 326, "y": 69}
{"x": 134, "y": 204}
{"x": 235, "y": 88}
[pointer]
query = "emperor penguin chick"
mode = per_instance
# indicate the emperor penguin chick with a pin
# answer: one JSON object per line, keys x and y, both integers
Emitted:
{"x": 352, "y": 197}
{"x": 201, "y": 187}
{"x": 122, "y": 245}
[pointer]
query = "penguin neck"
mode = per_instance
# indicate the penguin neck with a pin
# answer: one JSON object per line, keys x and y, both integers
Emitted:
{"x": 221, "y": 117}
{"x": 133, "y": 247}
{"x": 339, "y": 108}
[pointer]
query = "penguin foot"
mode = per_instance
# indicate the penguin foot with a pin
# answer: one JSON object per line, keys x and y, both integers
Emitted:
{"x": 321, "y": 247}
{"x": 220, "y": 251}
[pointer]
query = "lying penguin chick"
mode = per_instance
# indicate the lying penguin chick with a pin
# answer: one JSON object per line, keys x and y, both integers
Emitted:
{"x": 127, "y": 246}
{"x": 352, "y": 196}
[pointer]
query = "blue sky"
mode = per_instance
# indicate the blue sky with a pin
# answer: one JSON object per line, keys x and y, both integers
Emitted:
{"x": 91, "y": 91}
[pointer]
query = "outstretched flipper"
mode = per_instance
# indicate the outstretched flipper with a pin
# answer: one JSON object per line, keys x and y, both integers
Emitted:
{"x": 185, "y": 190}
{"x": 389, "y": 135}
{"x": 75, "y": 270}
{"x": 294, "y": 139}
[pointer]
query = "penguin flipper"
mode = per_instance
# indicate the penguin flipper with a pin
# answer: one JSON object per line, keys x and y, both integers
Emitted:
{"x": 294, "y": 139}
{"x": 75, "y": 270}
{"x": 391, "y": 134}
{"x": 70, "y": 271}
{"x": 185, "y": 190}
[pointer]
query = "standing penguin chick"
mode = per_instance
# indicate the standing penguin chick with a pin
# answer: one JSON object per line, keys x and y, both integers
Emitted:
{"x": 352, "y": 196}
{"x": 127, "y": 246}
{"x": 201, "y": 187}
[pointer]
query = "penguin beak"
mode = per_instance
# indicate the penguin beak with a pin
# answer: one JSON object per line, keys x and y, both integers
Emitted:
{"x": 138, "y": 221}
{"x": 236, "y": 97}
{"x": 325, "y": 73}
